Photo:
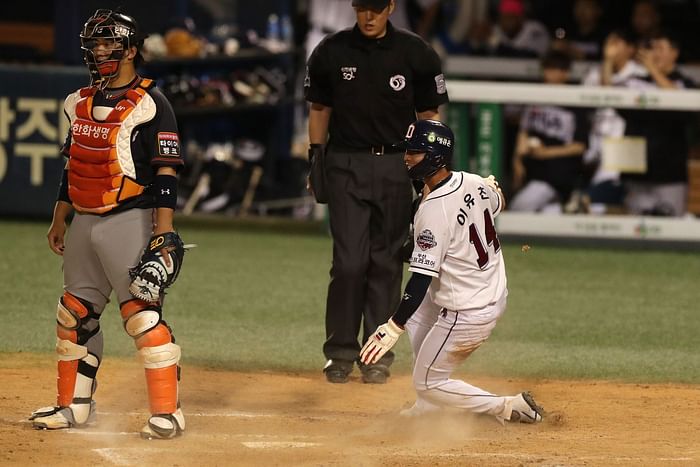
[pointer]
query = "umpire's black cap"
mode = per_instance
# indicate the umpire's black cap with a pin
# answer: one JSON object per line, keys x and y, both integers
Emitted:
{"x": 374, "y": 4}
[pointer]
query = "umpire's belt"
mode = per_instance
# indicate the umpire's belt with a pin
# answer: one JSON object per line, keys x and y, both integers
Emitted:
{"x": 376, "y": 150}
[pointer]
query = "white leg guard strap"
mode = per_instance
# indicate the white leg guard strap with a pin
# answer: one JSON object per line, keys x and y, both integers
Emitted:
{"x": 84, "y": 388}
{"x": 67, "y": 350}
{"x": 161, "y": 356}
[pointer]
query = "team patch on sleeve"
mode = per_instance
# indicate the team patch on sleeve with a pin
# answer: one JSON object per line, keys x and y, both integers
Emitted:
{"x": 168, "y": 144}
{"x": 426, "y": 240}
{"x": 440, "y": 85}
{"x": 420, "y": 260}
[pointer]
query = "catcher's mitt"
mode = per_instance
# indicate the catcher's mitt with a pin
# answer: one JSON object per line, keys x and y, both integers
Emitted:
{"x": 152, "y": 276}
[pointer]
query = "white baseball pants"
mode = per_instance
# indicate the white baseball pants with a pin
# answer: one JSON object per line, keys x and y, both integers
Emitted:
{"x": 441, "y": 341}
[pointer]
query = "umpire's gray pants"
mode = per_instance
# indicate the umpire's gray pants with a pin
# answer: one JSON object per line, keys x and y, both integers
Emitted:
{"x": 369, "y": 205}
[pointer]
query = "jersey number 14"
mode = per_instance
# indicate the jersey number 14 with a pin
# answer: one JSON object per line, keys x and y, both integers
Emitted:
{"x": 491, "y": 239}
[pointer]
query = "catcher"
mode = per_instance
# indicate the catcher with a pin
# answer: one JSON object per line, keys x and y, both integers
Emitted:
{"x": 120, "y": 179}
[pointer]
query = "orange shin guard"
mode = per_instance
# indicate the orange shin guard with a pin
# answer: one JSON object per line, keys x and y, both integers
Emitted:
{"x": 160, "y": 356}
{"x": 70, "y": 312}
{"x": 162, "y": 389}
{"x": 67, "y": 375}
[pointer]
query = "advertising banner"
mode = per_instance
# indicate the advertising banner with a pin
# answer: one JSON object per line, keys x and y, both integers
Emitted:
{"x": 33, "y": 128}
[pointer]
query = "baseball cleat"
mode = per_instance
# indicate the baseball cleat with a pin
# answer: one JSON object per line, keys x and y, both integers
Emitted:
{"x": 337, "y": 371}
{"x": 525, "y": 409}
{"x": 164, "y": 426}
{"x": 56, "y": 418}
{"x": 375, "y": 374}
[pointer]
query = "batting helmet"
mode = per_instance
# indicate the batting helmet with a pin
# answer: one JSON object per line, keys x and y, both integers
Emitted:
{"x": 119, "y": 31}
{"x": 436, "y": 140}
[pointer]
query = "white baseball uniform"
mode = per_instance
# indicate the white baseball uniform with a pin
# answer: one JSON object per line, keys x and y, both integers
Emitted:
{"x": 456, "y": 244}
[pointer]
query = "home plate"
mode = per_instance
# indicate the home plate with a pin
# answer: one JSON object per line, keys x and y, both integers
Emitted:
{"x": 277, "y": 444}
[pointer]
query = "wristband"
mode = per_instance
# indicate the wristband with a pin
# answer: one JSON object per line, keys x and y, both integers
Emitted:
{"x": 166, "y": 191}
{"x": 315, "y": 150}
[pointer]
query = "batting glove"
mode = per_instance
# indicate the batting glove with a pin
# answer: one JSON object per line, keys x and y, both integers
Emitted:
{"x": 492, "y": 182}
{"x": 381, "y": 342}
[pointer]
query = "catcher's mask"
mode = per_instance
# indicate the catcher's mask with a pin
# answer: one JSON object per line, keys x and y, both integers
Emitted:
{"x": 436, "y": 140}
{"x": 106, "y": 37}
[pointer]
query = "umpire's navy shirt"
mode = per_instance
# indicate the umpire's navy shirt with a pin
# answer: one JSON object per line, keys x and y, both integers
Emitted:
{"x": 374, "y": 86}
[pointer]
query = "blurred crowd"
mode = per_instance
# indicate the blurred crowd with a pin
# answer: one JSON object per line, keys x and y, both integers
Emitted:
{"x": 568, "y": 159}
{"x": 557, "y": 159}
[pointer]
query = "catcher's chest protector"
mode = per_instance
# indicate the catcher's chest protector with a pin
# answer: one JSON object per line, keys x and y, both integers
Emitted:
{"x": 101, "y": 168}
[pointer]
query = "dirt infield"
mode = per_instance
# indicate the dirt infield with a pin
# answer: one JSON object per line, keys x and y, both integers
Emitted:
{"x": 299, "y": 419}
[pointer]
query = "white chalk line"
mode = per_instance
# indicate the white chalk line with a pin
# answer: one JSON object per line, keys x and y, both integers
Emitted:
{"x": 187, "y": 434}
{"x": 112, "y": 456}
{"x": 278, "y": 444}
{"x": 233, "y": 414}
{"x": 635, "y": 459}
{"x": 298, "y": 444}
{"x": 120, "y": 456}
{"x": 135, "y": 456}
{"x": 87, "y": 432}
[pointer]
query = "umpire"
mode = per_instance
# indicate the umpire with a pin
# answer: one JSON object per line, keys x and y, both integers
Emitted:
{"x": 365, "y": 86}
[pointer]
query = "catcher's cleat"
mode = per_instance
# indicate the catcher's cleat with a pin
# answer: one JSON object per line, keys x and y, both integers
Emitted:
{"x": 525, "y": 409}
{"x": 56, "y": 418}
{"x": 164, "y": 426}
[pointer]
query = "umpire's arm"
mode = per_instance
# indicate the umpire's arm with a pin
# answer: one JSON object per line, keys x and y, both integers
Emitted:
{"x": 319, "y": 119}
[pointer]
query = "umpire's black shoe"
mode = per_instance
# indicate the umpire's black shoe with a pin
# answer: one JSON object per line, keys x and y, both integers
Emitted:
{"x": 337, "y": 371}
{"x": 375, "y": 374}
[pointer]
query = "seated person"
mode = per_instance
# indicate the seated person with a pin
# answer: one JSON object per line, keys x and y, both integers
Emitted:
{"x": 583, "y": 39}
{"x": 663, "y": 189}
{"x": 605, "y": 193}
{"x": 549, "y": 147}
{"x": 514, "y": 35}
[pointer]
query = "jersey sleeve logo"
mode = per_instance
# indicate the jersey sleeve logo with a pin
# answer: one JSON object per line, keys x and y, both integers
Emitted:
{"x": 440, "y": 85}
{"x": 168, "y": 144}
{"x": 307, "y": 78}
{"x": 426, "y": 240}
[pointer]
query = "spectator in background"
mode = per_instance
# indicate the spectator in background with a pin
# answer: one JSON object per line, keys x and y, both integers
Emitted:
{"x": 583, "y": 40}
{"x": 416, "y": 15}
{"x": 662, "y": 189}
{"x": 513, "y": 36}
{"x": 617, "y": 69}
{"x": 549, "y": 147}
{"x": 326, "y": 17}
{"x": 645, "y": 21}
{"x": 456, "y": 22}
